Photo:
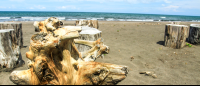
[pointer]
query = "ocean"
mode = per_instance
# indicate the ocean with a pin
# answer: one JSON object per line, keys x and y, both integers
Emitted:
{"x": 100, "y": 16}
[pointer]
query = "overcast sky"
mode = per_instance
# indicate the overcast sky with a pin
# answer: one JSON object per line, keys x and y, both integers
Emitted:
{"x": 172, "y": 7}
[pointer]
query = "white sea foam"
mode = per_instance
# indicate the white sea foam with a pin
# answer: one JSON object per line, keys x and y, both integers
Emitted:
{"x": 97, "y": 18}
{"x": 61, "y": 18}
{"x": 195, "y": 21}
{"x": 163, "y": 17}
{"x": 38, "y": 18}
{"x": 71, "y": 19}
{"x": 4, "y": 17}
{"x": 33, "y": 18}
{"x": 139, "y": 20}
{"x": 110, "y": 19}
{"x": 121, "y": 19}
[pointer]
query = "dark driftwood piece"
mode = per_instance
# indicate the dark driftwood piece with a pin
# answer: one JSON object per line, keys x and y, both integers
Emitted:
{"x": 17, "y": 35}
{"x": 175, "y": 35}
{"x": 194, "y": 36}
{"x": 10, "y": 54}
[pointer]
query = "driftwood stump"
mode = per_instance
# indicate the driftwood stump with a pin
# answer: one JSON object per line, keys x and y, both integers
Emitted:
{"x": 175, "y": 35}
{"x": 56, "y": 60}
{"x": 10, "y": 54}
{"x": 89, "y": 23}
{"x": 177, "y": 23}
{"x": 88, "y": 34}
{"x": 17, "y": 34}
{"x": 194, "y": 36}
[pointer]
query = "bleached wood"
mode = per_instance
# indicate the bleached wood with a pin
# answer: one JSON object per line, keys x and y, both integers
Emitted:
{"x": 88, "y": 34}
{"x": 17, "y": 34}
{"x": 89, "y": 23}
{"x": 10, "y": 54}
{"x": 56, "y": 60}
{"x": 175, "y": 35}
{"x": 97, "y": 50}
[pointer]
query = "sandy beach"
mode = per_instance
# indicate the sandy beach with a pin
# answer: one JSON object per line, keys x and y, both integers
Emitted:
{"x": 138, "y": 45}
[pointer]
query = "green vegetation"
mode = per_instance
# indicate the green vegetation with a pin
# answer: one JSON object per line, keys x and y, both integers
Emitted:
{"x": 189, "y": 45}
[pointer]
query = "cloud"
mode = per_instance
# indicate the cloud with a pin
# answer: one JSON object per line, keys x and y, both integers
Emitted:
{"x": 130, "y": 6}
{"x": 167, "y": 1}
{"x": 40, "y": 7}
{"x": 108, "y": 1}
{"x": 68, "y": 7}
{"x": 3, "y": 7}
{"x": 169, "y": 8}
{"x": 172, "y": 7}
{"x": 17, "y": 0}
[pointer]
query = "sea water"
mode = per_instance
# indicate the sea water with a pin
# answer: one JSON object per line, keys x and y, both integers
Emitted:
{"x": 101, "y": 16}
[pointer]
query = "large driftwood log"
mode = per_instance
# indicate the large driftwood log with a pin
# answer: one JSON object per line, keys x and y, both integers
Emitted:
{"x": 194, "y": 36}
{"x": 89, "y": 23}
{"x": 56, "y": 60}
{"x": 10, "y": 54}
{"x": 17, "y": 34}
{"x": 175, "y": 35}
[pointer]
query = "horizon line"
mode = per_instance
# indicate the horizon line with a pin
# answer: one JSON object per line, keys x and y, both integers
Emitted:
{"x": 106, "y": 12}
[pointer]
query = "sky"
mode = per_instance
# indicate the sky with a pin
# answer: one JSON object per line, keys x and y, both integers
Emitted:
{"x": 169, "y": 7}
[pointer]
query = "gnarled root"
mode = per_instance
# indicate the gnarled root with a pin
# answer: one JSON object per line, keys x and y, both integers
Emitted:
{"x": 56, "y": 60}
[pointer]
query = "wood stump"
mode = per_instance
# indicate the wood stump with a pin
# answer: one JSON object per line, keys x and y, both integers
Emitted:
{"x": 194, "y": 34}
{"x": 177, "y": 23}
{"x": 89, "y": 23}
{"x": 175, "y": 35}
{"x": 17, "y": 34}
{"x": 10, "y": 54}
{"x": 89, "y": 34}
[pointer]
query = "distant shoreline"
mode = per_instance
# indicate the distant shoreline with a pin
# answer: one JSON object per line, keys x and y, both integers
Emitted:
{"x": 99, "y": 12}
{"x": 100, "y": 16}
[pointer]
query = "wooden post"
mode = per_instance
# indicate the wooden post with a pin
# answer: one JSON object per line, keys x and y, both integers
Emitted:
{"x": 10, "y": 55}
{"x": 89, "y": 23}
{"x": 89, "y": 34}
{"x": 17, "y": 35}
{"x": 194, "y": 36}
{"x": 175, "y": 35}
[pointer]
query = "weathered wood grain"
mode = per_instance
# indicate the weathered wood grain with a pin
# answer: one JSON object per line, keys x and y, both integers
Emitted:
{"x": 10, "y": 54}
{"x": 88, "y": 34}
{"x": 194, "y": 34}
{"x": 17, "y": 35}
{"x": 175, "y": 35}
{"x": 56, "y": 60}
{"x": 89, "y": 23}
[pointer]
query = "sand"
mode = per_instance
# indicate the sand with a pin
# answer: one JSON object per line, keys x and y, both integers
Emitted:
{"x": 138, "y": 45}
